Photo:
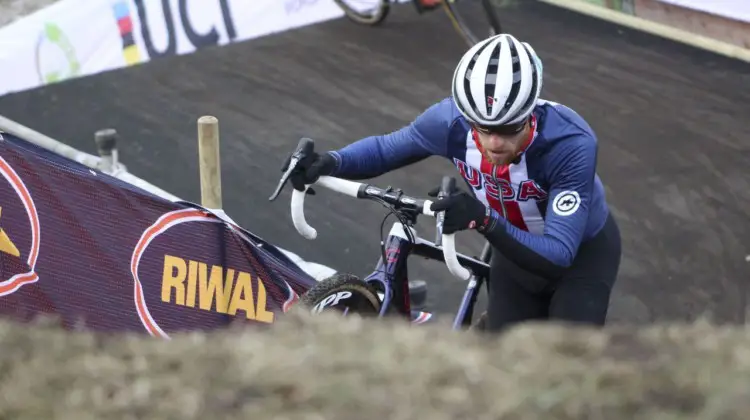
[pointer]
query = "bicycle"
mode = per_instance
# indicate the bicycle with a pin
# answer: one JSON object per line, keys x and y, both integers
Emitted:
{"x": 385, "y": 291}
{"x": 383, "y": 7}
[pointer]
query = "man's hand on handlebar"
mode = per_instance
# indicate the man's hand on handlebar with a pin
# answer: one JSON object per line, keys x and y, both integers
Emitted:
{"x": 305, "y": 167}
{"x": 462, "y": 211}
{"x": 311, "y": 167}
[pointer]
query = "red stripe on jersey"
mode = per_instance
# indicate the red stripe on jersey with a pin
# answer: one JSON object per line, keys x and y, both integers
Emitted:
{"x": 514, "y": 215}
{"x": 491, "y": 190}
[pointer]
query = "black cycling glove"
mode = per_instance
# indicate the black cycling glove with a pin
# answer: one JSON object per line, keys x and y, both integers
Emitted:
{"x": 462, "y": 211}
{"x": 309, "y": 169}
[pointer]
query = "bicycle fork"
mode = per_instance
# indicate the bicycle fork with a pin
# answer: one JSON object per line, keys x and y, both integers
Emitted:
{"x": 463, "y": 316}
{"x": 470, "y": 294}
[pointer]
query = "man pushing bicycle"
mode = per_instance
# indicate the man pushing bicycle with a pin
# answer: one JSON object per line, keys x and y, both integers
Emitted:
{"x": 531, "y": 168}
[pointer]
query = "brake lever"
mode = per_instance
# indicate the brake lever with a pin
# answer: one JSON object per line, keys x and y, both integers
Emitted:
{"x": 446, "y": 187}
{"x": 284, "y": 178}
{"x": 304, "y": 148}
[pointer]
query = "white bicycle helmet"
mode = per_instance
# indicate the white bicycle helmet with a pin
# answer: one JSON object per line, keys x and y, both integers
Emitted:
{"x": 498, "y": 81}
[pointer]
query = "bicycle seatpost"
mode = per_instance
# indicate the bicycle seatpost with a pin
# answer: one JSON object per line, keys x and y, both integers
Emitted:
{"x": 446, "y": 187}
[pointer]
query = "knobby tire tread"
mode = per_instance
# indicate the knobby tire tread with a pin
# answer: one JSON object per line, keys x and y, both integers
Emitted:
{"x": 341, "y": 282}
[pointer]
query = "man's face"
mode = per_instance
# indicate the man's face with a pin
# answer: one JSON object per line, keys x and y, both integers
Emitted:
{"x": 501, "y": 146}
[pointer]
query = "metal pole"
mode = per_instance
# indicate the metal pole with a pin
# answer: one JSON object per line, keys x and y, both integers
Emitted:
{"x": 106, "y": 145}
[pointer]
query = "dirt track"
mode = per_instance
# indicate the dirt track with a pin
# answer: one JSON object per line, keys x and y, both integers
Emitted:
{"x": 672, "y": 122}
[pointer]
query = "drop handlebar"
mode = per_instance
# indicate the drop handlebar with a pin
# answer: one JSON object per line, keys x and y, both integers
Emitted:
{"x": 362, "y": 190}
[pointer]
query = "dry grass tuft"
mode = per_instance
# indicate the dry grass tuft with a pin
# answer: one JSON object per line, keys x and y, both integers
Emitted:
{"x": 334, "y": 369}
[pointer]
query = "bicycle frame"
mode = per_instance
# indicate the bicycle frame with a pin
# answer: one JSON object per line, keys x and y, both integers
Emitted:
{"x": 392, "y": 275}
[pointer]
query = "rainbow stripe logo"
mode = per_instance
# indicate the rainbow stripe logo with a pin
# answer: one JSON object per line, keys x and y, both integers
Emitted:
{"x": 130, "y": 50}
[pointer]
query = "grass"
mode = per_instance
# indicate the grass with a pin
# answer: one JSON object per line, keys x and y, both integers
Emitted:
{"x": 334, "y": 369}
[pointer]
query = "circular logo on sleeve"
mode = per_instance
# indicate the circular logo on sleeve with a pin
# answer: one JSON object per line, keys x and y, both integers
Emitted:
{"x": 566, "y": 203}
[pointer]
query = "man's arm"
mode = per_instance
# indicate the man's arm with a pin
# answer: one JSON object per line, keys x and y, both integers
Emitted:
{"x": 572, "y": 185}
{"x": 372, "y": 156}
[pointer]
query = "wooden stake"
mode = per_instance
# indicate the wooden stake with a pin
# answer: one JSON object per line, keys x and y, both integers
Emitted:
{"x": 210, "y": 162}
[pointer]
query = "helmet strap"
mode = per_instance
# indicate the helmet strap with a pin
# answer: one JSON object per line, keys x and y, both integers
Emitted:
{"x": 532, "y": 134}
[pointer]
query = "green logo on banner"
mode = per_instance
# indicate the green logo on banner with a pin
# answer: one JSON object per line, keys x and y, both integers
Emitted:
{"x": 55, "y": 55}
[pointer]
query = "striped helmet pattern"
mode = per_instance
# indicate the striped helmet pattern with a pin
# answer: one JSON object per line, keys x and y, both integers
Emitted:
{"x": 498, "y": 81}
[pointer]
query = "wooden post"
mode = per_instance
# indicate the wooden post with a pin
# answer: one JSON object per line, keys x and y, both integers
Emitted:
{"x": 210, "y": 162}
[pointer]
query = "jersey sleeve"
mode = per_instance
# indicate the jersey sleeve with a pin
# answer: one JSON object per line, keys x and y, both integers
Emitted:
{"x": 372, "y": 156}
{"x": 572, "y": 174}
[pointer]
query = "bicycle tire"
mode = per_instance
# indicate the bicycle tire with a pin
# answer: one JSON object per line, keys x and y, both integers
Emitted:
{"x": 463, "y": 28}
{"x": 376, "y": 18}
{"x": 342, "y": 288}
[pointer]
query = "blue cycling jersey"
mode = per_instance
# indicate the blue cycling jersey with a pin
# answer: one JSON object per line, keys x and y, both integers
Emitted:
{"x": 548, "y": 202}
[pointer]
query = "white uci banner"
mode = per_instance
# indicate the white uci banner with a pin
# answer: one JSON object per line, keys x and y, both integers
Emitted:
{"x": 730, "y": 9}
{"x": 67, "y": 39}
{"x": 74, "y": 38}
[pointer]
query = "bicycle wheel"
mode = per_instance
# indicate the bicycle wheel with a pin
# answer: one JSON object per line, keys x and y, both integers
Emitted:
{"x": 459, "y": 11}
{"x": 365, "y": 12}
{"x": 344, "y": 293}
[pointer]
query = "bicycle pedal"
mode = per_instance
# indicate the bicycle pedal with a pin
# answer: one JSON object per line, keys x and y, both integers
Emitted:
{"x": 420, "y": 317}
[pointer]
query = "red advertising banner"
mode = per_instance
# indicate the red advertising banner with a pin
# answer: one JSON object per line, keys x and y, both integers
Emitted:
{"x": 105, "y": 255}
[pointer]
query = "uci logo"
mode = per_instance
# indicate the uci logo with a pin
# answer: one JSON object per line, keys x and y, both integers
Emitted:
{"x": 179, "y": 24}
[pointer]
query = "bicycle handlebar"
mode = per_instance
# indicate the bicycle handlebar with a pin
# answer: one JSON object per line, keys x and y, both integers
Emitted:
{"x": 360, "y": 190}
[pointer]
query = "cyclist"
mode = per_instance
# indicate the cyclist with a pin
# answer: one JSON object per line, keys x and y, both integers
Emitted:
{"x": 531, "y": 167}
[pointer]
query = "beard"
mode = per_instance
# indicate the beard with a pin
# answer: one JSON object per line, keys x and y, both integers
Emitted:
{"x": 501, "y": 159}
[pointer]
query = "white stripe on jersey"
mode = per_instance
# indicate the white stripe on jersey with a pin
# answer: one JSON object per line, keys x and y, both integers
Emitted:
{"x": 474, "y": 159}
{"x": 529, "y": 210}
